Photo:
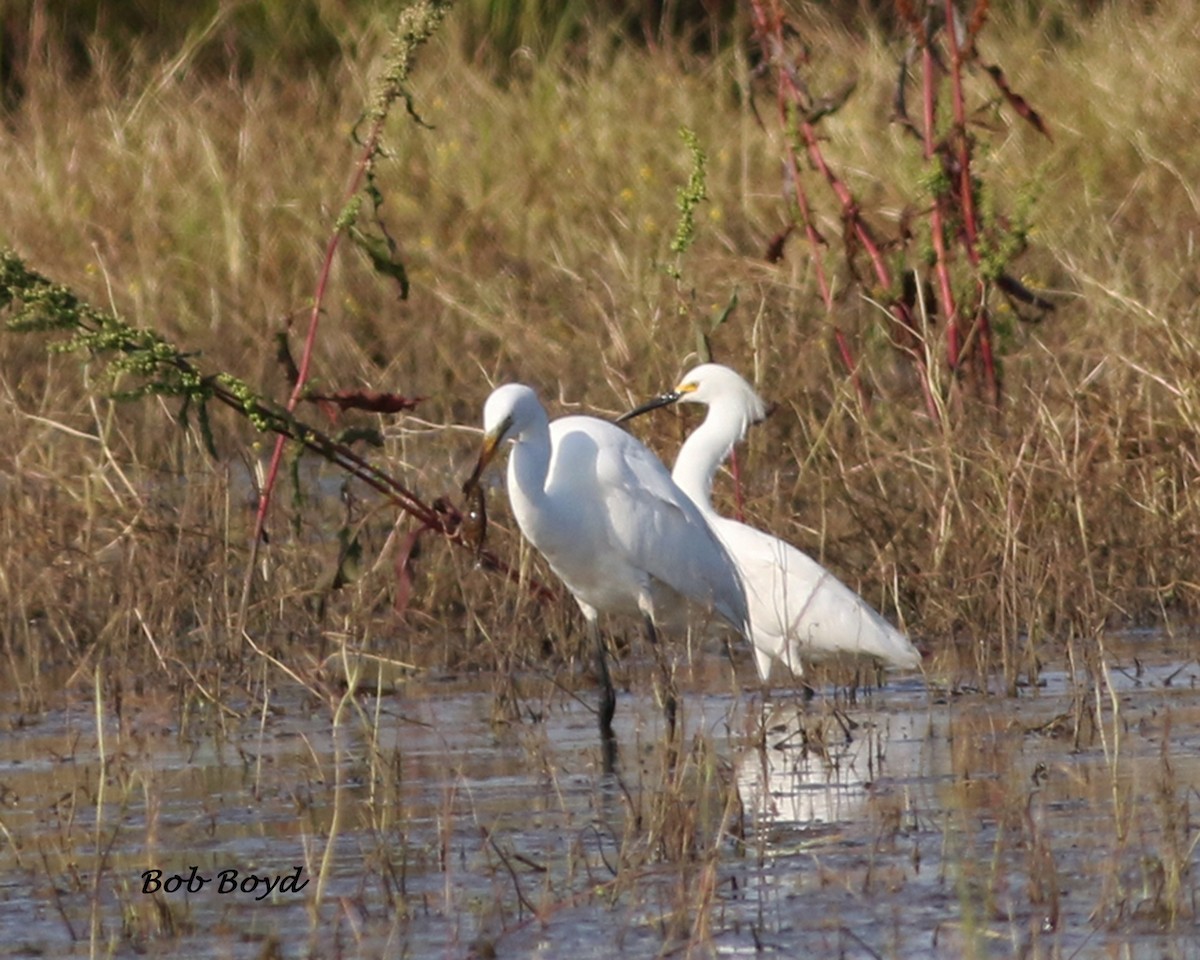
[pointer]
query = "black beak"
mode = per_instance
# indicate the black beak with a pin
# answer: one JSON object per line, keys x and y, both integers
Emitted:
{"x": 471, "y": 484}
{"x": 662, "y": 400}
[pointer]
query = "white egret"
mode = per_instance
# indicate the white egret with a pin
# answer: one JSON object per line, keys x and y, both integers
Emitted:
{"x": 604, "y": 512}
{"x": 798, "y": 610}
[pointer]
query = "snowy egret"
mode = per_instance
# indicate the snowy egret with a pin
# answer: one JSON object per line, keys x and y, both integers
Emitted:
{"x": 798, "y": 610}
{"x": 604, "y": 512}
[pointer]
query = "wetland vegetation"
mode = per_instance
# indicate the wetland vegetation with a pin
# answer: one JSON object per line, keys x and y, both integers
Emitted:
{"x": 980, "y": 342}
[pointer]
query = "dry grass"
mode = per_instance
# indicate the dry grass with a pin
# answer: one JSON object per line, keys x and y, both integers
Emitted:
{"x": 533, "y": 220}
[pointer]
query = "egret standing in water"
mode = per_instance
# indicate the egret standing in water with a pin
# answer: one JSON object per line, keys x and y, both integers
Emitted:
{"x": 604, "y": 512}
{"x": 798, "y": 610}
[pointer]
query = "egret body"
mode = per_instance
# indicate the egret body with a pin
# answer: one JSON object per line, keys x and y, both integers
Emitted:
{"x": 610, "y": 521}
{"x": 798, "y": 610}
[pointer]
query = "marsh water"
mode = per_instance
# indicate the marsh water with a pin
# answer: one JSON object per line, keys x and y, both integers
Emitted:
{"x": 450, "y": 816}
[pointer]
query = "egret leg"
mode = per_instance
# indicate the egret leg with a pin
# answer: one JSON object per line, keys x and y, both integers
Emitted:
{"x": 607, "y": 707}
{"x": 670, "y": 696}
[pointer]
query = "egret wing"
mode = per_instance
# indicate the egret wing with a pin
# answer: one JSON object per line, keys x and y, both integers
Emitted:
{"x": 662, "y": 529}
{"x": 798, "y": 609}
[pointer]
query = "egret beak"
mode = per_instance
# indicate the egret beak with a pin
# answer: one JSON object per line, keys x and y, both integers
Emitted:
{"x": 491, "y": 444}
{"x": 487, "y": 452}
{"x": 662, "y": 400}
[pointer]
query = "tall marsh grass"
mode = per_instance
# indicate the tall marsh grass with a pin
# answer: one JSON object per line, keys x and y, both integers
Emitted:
{"x": 534, "y": 217}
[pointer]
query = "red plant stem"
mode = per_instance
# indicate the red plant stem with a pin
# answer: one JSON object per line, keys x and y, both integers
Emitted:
{"x": 937, "y": 224}
{"x": 310, "y": 339}
{"x": 966, "y": 195}
{"x": 966, "y": 201}
{"x": 883, "y": 276}
{"x": 815, "y": 240}
{"x": 769, "y": 31}
{"x": 850, "y": 211}
{"x": 985, "y": 350}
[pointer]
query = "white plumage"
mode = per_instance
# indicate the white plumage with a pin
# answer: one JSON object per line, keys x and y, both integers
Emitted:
{"x": 798, "y": 610}
{"x": 610, "y": 521}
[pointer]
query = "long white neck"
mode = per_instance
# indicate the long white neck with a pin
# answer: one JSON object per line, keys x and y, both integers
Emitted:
{"x": 528, "y": 468}
{"x": 705, "y": 449}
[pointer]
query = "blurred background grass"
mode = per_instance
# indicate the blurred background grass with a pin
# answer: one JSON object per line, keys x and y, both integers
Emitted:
{"x": 183, "y": 165}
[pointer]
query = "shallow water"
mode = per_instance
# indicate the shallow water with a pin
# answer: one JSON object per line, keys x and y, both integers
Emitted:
{"x": 906, "y": 823}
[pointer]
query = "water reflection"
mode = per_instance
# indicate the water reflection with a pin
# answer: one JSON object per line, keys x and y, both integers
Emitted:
{"x": 816, "y": 767}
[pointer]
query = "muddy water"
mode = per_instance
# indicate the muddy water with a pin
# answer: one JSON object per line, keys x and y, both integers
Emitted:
{"x": 425, "y": 821}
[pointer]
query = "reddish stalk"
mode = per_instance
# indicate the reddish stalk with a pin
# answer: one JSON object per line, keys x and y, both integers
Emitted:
{"x": 790, "y": 98}
{"x": 815, "y": 240}
{"x": 416, "y": 24}
{"x": 966, "y": 193}
{"x": 953, "y": 216}
{"x": 440, "y": 517}
{"x": 985, "y": 349}
{"x": 937, "y": 219}
{"x": 770, "y": 35}
{"x": 850, "y": 210}
{"x": 852, "y": 216}
{"x": 310, "y": 340}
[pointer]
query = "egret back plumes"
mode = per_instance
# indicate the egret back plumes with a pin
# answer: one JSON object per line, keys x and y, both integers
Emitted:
{"x": 612, "y": 524}
{"x": 798, "y": 610}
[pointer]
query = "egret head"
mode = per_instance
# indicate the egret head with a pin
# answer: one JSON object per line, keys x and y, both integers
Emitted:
{"x": 709, "y": 383}
{"x": 508, "y": 411}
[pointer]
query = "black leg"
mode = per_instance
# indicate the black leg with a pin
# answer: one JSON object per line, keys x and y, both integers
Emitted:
{"x": 607, "y": 707}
